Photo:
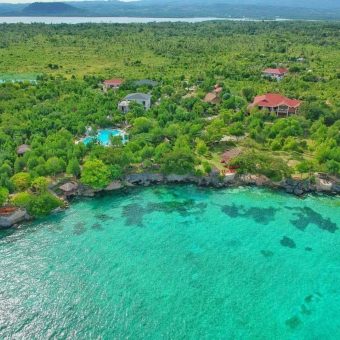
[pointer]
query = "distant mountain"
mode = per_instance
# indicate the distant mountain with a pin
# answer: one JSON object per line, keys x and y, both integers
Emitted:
{"x": 52, "y": 9}
{"x": 255, "y": 9}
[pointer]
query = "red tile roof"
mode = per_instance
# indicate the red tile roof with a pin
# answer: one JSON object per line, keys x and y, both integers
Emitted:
{"x": 275, "y": 100}
{"x": 114, "y": 82}
{"x": 277, "y": 71}
{"x": 230, "y": 154}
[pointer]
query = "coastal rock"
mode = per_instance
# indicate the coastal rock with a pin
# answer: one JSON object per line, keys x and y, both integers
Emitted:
{"x": 296, "y": 187}
{"x": 115, "y": 185}
{"x": 323, "y": 184}
{"x": 173, "y": 178}
{"x": 229, "y": 178}
{"x": 18, "y": 216}
{"x": 144, "y": 178}
{"x": 211, "y": 181}
{"x": 258, "y": 180}
{"x": 86, "y": 191}
{"x": 326, "y": 183}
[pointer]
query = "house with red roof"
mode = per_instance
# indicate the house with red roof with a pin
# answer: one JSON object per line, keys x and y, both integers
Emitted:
{"x": 112, "y": 84}
{"x": 276, "y": 103}
{"x": 275, "y": 73}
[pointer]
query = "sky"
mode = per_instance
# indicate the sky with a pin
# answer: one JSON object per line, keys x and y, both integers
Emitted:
{"x": 30, "y": 1}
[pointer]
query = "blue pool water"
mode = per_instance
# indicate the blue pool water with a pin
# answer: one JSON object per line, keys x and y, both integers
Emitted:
{"x": 103, "y": 136}
{"x": 176, "y": 263}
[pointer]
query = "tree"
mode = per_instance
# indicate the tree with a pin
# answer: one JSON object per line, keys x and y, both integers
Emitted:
{"x": 142, "y": 125}
{"x": 180, "y": 160}
{"x": 236, "y": 129}
{"x": 55, "y": 165}
{"x": 3, "y": 195}
{"x": 73, "y": 167}
{"x": 95, "y": 174}
{"x": 333, "y": 167}
{"x": 306, "y": 166}
{"x": 19, "y": 164}
{"x": 43, "y": 204}
{"x": 248, "y": 93}
{"x": 6, "y": 169}
{"x": 22, "y": 199}
{"x": 116, "y": 172}
{"x": 21, "y": 181}
{"x": 207, "y": 167}
{"x": 251, "y": 162}
{"x": 40, "y": 184}
{"x": 201, "y": 147}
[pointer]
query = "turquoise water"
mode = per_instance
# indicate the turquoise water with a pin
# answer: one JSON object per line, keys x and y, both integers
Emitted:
{"x": 176, "y": 263}
{"x": 104, "y": 136}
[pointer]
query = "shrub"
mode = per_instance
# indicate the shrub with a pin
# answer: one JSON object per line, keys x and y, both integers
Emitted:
{"x": 95, "y": 174}
{"x": 40, "y": 184}
{"x": 43, "y": 204}
{"x": 3, "y": 195}
{"x": 22, "y": 199}
{"x": 73, "y": 167}
{"x": 21, "y": 181}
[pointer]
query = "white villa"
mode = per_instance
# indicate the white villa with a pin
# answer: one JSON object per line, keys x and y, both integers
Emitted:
{"x": 140, "y": 98}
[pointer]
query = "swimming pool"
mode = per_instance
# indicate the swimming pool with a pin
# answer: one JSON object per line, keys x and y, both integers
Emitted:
{"x": 103, "y": 136}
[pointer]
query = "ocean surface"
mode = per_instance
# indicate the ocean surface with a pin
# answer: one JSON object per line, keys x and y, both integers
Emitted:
{"x": 176, "y": 263}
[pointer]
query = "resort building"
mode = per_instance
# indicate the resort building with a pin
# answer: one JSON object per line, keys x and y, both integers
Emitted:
{"x": 275, "y": 73}
{"x": 214, "y": 97}
{"x": 112, "y": 84}
{"x": 139, "y": 98}
{"x": 281, "y": 105}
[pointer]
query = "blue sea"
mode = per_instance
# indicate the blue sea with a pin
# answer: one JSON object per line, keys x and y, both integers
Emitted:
{"x": 176, "y": 262}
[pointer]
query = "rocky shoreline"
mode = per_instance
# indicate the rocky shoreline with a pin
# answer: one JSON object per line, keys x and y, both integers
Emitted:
{"x": 323, "y": 184}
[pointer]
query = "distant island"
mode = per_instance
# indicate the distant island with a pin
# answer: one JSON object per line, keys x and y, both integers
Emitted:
{"x": 256, "y": 9}
{"x": 54, "y": 8}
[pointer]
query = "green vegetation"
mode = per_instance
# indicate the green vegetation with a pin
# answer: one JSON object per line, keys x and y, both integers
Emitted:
{"x": 36, "y": 204}
{"x": 180, "y": 133}
{"x": 95, "y": 174}
{"x": 3, "y": 195}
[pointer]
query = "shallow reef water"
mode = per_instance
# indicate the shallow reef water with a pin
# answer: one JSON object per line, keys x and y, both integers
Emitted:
{"x": 176, "y": 262}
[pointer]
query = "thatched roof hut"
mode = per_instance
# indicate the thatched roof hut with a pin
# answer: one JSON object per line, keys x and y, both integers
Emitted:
{"x": 69, "y": 187}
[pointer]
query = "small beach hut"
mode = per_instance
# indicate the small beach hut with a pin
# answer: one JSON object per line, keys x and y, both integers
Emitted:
{"x": 69, "y": 188}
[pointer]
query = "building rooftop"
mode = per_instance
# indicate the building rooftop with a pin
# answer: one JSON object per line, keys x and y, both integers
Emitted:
{"x": 68, "y": 187}
{"x": 275, "y": 100}
{"x": 113, "y": 82}
{"x": 138, "y": 96}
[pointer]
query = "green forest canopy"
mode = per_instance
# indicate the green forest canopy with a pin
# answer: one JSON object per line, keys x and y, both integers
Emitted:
{"x": 178, "y": 134}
